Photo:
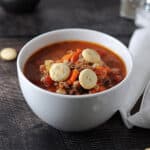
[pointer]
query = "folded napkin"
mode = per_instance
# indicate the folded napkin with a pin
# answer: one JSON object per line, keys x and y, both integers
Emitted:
{"x": 138, "y": 83}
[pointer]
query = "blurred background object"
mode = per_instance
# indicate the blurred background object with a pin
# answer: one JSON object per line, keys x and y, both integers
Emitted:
{"x": 19, "y": 6}
{"x": 128, "y": 8}
{"x": 142, "y": 18}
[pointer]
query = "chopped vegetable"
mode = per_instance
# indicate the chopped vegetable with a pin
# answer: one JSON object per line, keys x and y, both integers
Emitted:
{"x": 67, "y": 57}
{"x": 47, "y": 81}
{"x": 102, "y": 71}
{"x": 75, "y": 55}
{"x": 74, "y": 76}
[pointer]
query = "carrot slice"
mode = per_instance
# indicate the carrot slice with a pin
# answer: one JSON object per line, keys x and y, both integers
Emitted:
{"x": 75, "y": 55}
{"x": 67, "y": 57}
{"x": 78, "y": 50}
{"x": 73, "y": 77}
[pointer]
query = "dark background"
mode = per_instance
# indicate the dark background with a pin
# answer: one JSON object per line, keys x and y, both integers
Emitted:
{"x": 20, "y": 129}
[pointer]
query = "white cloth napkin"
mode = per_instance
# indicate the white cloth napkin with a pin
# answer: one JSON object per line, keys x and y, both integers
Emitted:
{"x": 139, "y": 81}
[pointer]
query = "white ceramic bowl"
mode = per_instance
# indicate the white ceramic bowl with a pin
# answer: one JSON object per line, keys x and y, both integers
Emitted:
{"x": 68, "y": 112}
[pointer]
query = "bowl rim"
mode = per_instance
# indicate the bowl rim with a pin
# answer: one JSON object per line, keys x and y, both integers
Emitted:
{"x": 20, "y": 71}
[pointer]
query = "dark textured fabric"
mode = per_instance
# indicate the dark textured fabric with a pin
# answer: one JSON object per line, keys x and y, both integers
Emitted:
{"x": 20, "y": 129}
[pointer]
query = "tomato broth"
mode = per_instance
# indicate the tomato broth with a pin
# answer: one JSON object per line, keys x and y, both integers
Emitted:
{"x": 110, "y": 72}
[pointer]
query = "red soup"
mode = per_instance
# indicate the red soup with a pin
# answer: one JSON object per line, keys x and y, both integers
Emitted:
{"x": 75, "y": 68}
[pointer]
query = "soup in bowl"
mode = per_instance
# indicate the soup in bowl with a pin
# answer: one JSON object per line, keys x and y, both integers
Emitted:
{"x": 74, "y": 79}
{"x": 75, "y": 68}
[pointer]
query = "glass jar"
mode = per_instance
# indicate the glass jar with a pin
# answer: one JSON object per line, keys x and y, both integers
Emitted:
{"x": 128, "y": 8}
{"x": 143, "y": 14}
